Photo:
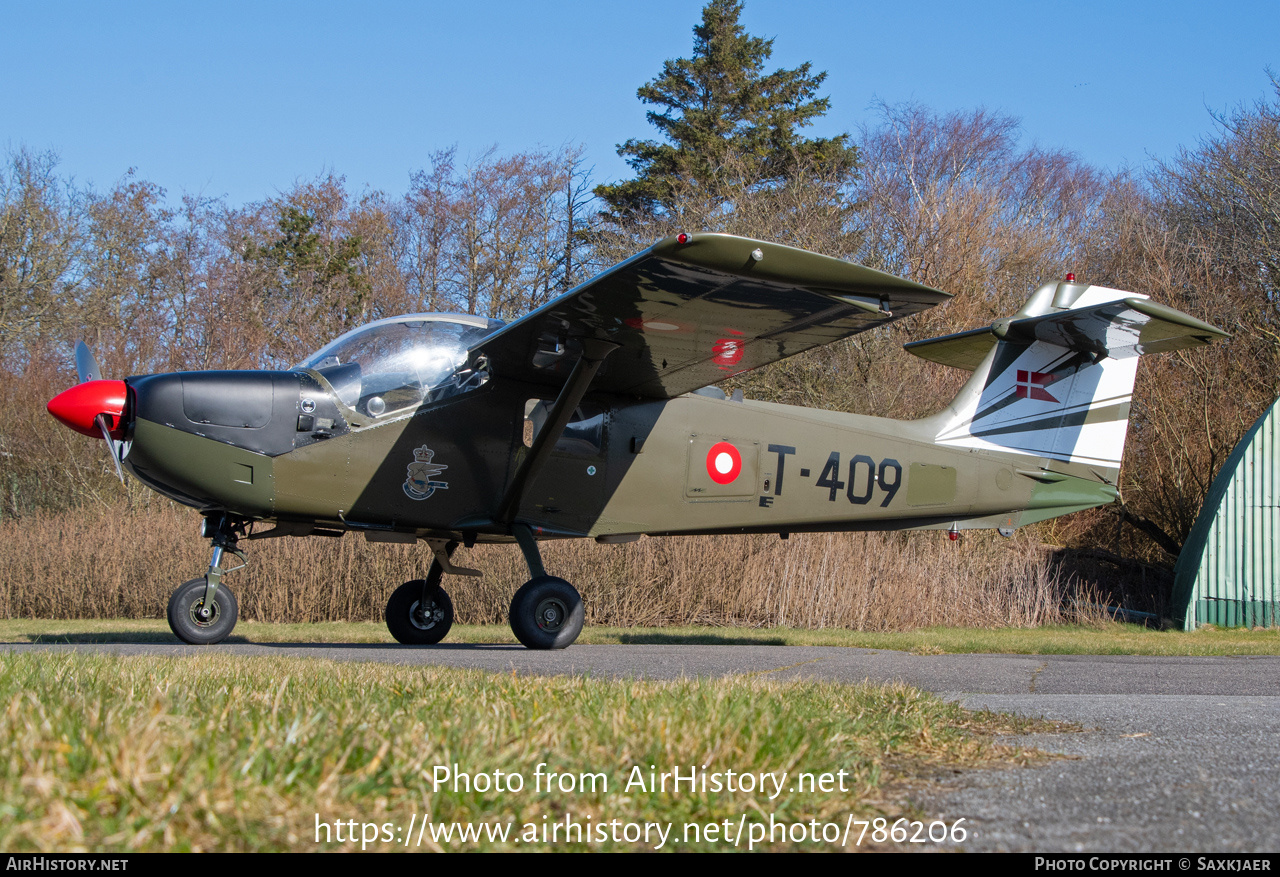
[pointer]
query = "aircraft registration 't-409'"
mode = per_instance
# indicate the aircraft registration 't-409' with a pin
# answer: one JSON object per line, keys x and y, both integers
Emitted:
{"x": 596, "y": 416}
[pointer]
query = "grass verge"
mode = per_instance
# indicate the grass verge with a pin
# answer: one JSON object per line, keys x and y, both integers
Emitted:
{"x": 245, "y": 754}
{"x": 1098, "y": 639}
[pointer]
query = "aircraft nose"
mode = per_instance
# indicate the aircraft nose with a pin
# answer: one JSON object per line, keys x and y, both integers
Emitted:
{"x": 77, "y": 407}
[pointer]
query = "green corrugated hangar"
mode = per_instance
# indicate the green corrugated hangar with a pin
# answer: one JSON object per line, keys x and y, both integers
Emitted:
{"x": 1228, "y": 572}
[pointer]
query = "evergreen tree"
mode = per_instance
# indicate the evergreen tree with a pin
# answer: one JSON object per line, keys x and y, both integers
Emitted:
{"x": 725, "y": 122}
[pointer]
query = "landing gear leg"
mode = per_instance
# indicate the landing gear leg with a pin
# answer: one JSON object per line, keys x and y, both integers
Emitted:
{"x": 547, "y": 612}
{"x": 420, "y": 612}
{"x": 204, "y": 611}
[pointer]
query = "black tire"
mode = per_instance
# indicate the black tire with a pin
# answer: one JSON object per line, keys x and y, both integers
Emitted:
{"x": 414, "y": 628}
{"x": 187, "y": 625}
{"x": 547, "y": 613}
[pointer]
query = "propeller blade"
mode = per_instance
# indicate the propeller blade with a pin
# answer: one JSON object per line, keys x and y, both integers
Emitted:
{"x": 114, "y": 451}
{"x": 86, "y": 366}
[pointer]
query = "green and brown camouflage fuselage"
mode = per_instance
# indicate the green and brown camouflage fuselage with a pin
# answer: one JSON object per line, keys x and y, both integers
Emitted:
{"x": 801, "y": 470}
{"x": 595, "y": 416}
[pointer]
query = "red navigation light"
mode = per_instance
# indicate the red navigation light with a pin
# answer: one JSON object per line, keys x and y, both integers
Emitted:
{"x": 1071, "y": 278}
{"x": 78, "y": 407}
{"x": 682, "y": 238}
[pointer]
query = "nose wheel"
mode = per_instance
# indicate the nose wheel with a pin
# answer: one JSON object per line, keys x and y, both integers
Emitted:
{"x": 203, "y": 611}
{"x": 194, "y": 621}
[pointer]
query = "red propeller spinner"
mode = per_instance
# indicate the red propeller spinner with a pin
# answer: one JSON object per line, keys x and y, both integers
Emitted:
{"x": 79, "y": 407}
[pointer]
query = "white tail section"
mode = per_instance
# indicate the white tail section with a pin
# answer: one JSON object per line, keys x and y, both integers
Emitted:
{"x": 1055, "y": 381}
{"x": 1047, "y": 401}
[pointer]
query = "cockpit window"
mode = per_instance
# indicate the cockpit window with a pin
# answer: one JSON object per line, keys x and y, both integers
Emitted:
{"x": 395, "y": 364}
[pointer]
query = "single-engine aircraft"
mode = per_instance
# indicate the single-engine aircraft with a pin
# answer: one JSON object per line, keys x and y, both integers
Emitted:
{"x": 596, "y": 416}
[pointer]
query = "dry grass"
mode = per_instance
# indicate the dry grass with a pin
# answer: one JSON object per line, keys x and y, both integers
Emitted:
{"x": 115, "y": 563}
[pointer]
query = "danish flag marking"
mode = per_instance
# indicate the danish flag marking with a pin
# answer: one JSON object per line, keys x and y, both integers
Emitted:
{"x": 1031, "y": 385}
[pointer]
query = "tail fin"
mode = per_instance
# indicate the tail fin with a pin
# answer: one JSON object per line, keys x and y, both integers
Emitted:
{"x": 1054, "y": 381}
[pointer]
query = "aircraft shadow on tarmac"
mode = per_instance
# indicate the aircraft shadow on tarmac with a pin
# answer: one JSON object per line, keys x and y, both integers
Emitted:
{"x": 127, "y": 637}
{"x": 695, "y": 639}
{"x": 437, "y": 647}
{"x": 139, "y": 637}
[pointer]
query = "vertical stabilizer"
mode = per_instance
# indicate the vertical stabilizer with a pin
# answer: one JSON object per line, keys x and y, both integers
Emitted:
{"x": 1055, "y": 380}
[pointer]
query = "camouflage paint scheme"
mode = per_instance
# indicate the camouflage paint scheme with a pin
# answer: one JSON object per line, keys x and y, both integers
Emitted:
{"x": 651, "y": 447}
{"x": 649, "y": 474}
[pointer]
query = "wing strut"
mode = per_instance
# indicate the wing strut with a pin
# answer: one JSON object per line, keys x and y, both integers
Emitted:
{"x": 594, "y": 351}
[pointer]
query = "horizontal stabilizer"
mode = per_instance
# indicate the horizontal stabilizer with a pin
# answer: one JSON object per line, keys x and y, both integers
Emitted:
{"x": 964, "y": 350}
{"x": 1117, "y": 329}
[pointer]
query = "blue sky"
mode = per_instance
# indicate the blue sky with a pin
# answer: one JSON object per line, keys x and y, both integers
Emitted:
{"x": 242, "y": 99}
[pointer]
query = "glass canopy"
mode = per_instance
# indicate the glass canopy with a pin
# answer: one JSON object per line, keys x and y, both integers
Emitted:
{"x": 396, "y": 363}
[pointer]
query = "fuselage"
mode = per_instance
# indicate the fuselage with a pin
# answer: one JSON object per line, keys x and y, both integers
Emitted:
{"x": 284, "y": 447}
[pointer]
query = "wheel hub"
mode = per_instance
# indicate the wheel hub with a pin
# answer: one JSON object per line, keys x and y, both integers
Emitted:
{"x": 550, "y": 614}
{"x": 425, "y": 617}
{"x": 200, "y": 617}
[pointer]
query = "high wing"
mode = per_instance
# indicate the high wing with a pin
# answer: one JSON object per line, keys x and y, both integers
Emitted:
{"x": 696, "y": 309}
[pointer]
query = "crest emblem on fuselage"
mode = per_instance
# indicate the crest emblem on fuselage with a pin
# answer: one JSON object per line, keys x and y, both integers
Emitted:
{"x": 420, "y": 481}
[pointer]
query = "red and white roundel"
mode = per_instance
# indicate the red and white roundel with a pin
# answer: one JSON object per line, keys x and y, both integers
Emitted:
{"x": 723, "y": 462}
{"x": 728, "y": 351}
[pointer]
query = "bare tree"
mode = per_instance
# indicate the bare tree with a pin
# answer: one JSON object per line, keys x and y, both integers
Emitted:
{"x": 125, "y": 304}
{"x": 42, "y": 243}
{"x": 1200, "y": 233}
{"x": 576, "y": 217}
{"x": 495, "y": 236}
{"x": 424, "y": 231}
{"x": 1224, "y": 197}
{"x": 953, "y": 201}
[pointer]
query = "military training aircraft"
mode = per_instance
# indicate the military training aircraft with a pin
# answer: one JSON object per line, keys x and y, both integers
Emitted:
{"x": 596, "y": 416}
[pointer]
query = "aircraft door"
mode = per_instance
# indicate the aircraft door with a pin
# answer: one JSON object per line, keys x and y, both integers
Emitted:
{"x": 570, "y": 490}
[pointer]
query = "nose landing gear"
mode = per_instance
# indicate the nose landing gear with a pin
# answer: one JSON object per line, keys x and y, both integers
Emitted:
{"x": 198, "y": 621}
{"x": 204, "y": 611}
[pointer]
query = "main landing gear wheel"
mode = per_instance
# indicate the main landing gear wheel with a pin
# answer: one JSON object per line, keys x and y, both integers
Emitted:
{"x": 418, "y": 622}
{"x": 547, "y": 613}
{"x": 188, "y": 621}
